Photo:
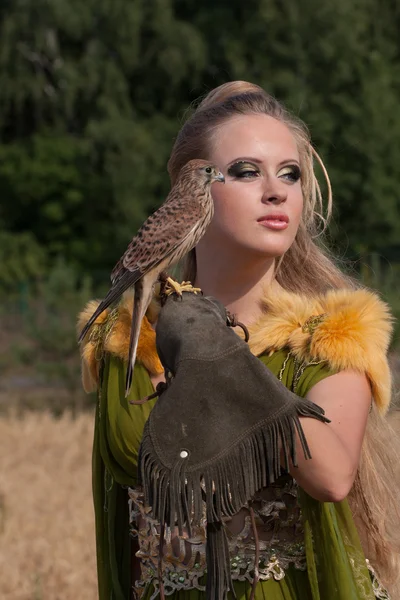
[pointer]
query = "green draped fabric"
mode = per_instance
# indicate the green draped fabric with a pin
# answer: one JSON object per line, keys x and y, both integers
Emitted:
{"x": 336, "y": 568}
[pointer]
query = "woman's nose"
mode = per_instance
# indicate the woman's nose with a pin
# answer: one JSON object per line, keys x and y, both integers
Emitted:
{"x": 274, "y": 194}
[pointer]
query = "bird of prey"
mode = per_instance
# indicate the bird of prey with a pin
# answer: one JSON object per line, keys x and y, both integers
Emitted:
{"x": 164, "y": 238}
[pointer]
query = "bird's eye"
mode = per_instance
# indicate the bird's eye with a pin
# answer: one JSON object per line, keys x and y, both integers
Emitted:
{"x": 208, "y": 170}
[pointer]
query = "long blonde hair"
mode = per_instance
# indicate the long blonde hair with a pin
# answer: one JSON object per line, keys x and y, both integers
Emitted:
{"x": 308, "y": 268}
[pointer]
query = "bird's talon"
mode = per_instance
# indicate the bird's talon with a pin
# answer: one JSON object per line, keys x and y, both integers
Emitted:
{"x": 173, "y": 287}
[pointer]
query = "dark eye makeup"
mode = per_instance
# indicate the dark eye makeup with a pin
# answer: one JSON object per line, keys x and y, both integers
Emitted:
{"x": 290, "y": 172}
{"x": 243, "y": 169}
{"x": 247, "y": 170}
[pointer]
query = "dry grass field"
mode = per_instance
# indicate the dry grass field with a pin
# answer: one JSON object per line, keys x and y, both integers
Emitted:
{"x": 47, "y": 548}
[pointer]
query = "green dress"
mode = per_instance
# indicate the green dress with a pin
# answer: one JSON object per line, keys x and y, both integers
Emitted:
{"x": 335, "y": 564}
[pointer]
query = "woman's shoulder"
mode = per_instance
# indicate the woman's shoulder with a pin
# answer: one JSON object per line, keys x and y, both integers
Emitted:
{"x": 348, "y": 328}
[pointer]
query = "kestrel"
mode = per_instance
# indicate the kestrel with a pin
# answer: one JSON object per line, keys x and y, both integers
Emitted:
{"x": 164, "y": 238}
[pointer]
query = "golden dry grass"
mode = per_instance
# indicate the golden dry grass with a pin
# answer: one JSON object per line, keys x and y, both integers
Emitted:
{"x": 47, "y": 547}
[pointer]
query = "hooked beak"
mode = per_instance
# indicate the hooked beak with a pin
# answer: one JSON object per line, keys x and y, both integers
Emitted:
{"x": 220, "y": 177}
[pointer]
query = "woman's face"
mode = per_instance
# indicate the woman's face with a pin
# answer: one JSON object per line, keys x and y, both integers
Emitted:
{"x": 260, "y": 206}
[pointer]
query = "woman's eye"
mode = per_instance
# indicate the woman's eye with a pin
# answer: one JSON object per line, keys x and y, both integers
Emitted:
{"x": 243, "y": 170}
{"x": 292, "y": 173}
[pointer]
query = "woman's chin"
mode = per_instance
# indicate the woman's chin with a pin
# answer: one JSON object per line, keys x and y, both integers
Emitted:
{"x": 267, "y": 250}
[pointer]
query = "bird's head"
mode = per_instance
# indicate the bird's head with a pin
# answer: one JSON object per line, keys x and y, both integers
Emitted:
{"x": 202, "y": 170}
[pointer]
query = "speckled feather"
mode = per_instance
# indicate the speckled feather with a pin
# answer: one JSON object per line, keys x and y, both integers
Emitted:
{"x": 164, "y": 230}
{"x": 164, "y": 238}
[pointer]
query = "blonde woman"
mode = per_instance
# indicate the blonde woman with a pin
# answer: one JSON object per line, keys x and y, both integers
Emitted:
{"x": 329, "y": 528}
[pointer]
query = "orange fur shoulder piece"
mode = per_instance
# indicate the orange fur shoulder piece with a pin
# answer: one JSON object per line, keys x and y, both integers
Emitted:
{"x": 111, "y": 333}
{"x": 350, "y": 329}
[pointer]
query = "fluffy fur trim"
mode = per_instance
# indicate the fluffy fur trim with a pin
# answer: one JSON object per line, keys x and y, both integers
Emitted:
{"x": 350, "y": 329}
{"x": 111, "y": 333}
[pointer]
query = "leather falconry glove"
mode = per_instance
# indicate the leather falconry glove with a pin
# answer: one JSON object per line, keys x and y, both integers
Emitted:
{"x": 216, "y": 432}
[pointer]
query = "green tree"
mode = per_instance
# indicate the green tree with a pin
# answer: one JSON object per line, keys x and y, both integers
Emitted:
{"x": 92, "y": 95}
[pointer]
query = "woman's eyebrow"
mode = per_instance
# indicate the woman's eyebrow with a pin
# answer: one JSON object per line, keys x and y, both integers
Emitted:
{"x": 259, "y": 161}
{"x": 289, "y": 161}
{"x": 245, "y": 158}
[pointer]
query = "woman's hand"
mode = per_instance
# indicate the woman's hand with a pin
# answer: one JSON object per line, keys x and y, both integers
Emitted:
{"x": 335, "y": 447}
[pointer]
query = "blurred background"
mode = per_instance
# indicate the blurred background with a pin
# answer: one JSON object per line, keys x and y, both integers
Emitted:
{"x": 92, "y": 93}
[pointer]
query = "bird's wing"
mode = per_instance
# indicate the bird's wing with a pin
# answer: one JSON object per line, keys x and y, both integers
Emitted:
{"x": 160, "y": 235}
{"x": 118, "y": 270}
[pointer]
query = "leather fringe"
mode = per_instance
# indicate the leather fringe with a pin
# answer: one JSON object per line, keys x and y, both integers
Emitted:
{"x": 176, "y": 494}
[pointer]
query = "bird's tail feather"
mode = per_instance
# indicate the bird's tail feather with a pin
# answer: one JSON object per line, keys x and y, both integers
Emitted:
{"x": 114, "y": 294}
{"x": 140, "y": 305}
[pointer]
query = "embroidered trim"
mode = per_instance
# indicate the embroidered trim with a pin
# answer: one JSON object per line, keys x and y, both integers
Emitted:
{"x": 299, "y": 367}
{"x": 285, "y": 362}
{"x": 100, "y": 332}
{"x": 278, "y": 517}
{"x": 312, "y": 323}
{"x": 379, "y": 591}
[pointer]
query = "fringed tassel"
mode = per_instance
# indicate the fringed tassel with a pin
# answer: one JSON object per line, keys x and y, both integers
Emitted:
{"x": 160, "y": 560}
{"x": 176, "y": 480}
{"x": 219, "y": 580}
{"x": 176, "y": 494}
{"x": 256, "y": 576}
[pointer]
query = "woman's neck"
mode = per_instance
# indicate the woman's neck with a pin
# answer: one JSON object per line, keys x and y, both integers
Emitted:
{"x": 239, "y": 285}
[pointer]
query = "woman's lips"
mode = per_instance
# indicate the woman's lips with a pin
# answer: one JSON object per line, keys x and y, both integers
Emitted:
{"x": 276, "y": 222}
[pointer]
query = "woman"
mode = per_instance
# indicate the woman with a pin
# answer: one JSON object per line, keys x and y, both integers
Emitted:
{"x": 323, "y": 338}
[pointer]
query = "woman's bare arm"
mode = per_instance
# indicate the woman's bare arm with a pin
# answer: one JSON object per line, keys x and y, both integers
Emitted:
{"x": 335, "y": 447}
